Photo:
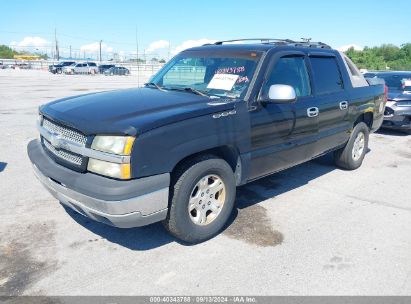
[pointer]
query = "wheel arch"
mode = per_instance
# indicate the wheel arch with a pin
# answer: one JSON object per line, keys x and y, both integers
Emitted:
{"x": 366, "y": 117}
{"x": 228, "y": 153}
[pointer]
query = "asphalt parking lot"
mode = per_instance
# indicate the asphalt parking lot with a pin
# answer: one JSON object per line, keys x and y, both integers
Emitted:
{"x": 309, "y": 230}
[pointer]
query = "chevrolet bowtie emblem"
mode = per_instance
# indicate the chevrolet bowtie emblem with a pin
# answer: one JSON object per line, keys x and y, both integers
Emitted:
{"x": 56, "y": 140}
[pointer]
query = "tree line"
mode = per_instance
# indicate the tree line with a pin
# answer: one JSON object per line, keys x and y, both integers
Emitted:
{"x": 384, "y": 57}
{"x": 8, "y": 53}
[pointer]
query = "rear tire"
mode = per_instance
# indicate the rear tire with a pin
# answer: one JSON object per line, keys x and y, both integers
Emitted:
{"x": 202, "y": 196}
{"x": 351, "y": 156}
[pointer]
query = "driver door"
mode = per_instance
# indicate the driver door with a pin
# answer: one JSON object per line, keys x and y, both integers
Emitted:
{"x": 283, "y": 135}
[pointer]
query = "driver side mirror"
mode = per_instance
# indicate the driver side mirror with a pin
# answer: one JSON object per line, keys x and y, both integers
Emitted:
{"x": 281, "y": 93}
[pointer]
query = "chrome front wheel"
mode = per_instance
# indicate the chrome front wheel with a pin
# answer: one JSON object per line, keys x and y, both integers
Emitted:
{"x": 206, "y": 200}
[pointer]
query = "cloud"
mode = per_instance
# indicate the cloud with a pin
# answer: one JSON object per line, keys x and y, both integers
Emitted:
{"x": 157, "y": 45}
{"x": 191, "y": 43}
{"x": 345, "y": 48}
{"x": 31, "y": 42}
{"x": 95, "y": 47}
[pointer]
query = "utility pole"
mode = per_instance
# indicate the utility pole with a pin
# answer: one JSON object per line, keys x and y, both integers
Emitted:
{"x": 138, "y": 64}
{"x": 100, "y": 49}
{"x": 57, "y": 46}
{"x": 136, "y": 44}
{"x": 169, "y": 51}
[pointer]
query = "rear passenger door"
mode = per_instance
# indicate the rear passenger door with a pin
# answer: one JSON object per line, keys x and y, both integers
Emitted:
{"x": 331, "y": 100}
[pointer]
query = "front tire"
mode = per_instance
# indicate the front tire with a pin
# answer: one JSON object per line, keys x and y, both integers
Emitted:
{"x": 351, "y": 156}
{"x": 201, "y": 199}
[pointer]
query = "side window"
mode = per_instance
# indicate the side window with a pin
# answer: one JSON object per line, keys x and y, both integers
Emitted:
{"x": 327, "y": 76}
{"x": 291, "y": 71}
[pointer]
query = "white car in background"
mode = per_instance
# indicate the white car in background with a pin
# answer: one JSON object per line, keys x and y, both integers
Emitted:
{"x": 81, "y": 68}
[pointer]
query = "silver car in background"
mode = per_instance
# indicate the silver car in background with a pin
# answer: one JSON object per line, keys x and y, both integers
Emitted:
{"x": 397, "y": 114}
{"x": 81, "y": 68}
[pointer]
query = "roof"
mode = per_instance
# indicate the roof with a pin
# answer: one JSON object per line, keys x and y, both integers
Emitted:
{"x": 263, "y": 44}
{"x": 233, "y": 47}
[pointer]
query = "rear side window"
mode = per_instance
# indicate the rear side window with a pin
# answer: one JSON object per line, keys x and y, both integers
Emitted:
{"x": 326, "y": 74}
{"x": 291, "y": 71}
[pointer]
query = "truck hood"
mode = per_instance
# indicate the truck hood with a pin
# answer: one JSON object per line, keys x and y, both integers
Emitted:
{"x": 131, "y": 111}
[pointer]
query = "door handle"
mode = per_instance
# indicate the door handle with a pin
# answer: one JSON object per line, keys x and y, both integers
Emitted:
{"x": 344, "y": 105}
{"x": 312, "y": 112}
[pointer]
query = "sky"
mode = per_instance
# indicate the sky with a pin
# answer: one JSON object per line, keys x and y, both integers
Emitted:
{"x": 163, "y": 28}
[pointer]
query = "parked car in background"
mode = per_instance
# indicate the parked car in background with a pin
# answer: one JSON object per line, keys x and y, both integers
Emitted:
{"x": 117, "y": 71}
{"x": 397, "y": 114}
{"x": 175, "y": 150}
{"x": 103, "y": 67}
{"x": 22, "y": 66}
{"x": 371, "y": 74}
{"x": 58, "y": 68}
{"x": 81, "y": 68}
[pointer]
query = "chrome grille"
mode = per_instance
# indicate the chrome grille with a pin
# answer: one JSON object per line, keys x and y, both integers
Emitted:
{"x": 67, "y": 156}
{"x": 64, "y": 132}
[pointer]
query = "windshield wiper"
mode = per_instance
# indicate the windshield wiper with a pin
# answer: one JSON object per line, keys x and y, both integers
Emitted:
{"x": 191, "y": 90}
{"x": 154, "y": 85}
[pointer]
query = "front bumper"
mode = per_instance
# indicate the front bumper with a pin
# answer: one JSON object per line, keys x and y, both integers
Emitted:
{"x": 397, "y": 117}
{"x": 122, "y": 204}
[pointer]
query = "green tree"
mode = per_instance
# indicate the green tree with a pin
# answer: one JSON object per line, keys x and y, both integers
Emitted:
{"x": 7, "y": 52}
{"x": 386, "y": 56}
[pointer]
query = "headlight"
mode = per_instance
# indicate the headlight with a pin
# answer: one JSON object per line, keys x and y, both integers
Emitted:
{"x": 120, "y": 171}
{"x": 113, "y": 144}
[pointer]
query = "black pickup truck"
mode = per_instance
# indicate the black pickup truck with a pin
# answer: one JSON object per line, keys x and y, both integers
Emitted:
{"x": 213, "y": 118}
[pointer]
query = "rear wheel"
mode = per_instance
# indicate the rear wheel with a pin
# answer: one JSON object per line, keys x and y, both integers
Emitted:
{"x": 202, "y": 198}
{"x": 351, "y": 156}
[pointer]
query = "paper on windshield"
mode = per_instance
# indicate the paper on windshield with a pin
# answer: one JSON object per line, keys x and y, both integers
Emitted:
{"x": 223, "y": 82}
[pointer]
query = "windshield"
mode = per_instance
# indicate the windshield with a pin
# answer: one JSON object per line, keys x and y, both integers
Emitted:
{"x": 395, "y": 82}
{"x": 215, "y": 75}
